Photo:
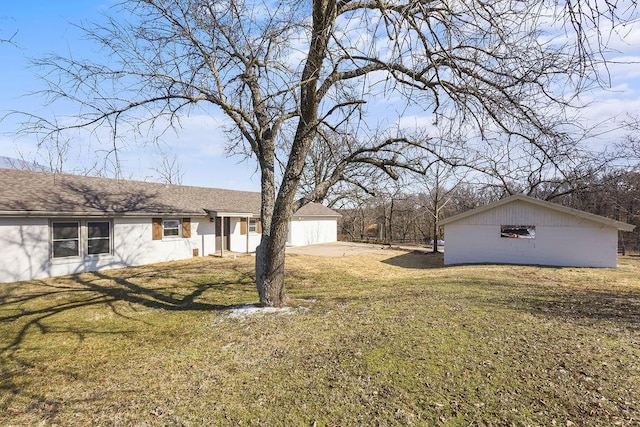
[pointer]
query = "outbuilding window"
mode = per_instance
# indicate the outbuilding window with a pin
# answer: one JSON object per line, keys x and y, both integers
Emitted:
{"x": 518, "y": 231}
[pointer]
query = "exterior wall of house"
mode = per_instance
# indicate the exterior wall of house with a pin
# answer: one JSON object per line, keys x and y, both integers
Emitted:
{"x": 560, "y": 239}
{"x": 133, "y": 243}
{"x": 203, "y": 232}
{"x": 24, "y": 248}
{"x": 312, "y": 230}
{"x": 243, "y": 243}
{"x": 25, "y": 245}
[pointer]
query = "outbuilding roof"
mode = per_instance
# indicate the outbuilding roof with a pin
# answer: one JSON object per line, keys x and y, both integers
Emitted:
{"x": 316, "y": 209}
{"x": 29, "y": 193}
{"x": 623, "y": 226}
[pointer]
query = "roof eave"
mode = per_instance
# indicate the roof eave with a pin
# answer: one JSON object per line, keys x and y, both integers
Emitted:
{"x": 622, "y": 226}
{"x": 61, "y": 214}
{"x": 316, "y": 216}
{"x": 233, "y": 214}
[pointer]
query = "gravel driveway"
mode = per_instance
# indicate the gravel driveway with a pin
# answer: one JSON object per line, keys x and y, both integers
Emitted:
{"x": 338, "y": 249}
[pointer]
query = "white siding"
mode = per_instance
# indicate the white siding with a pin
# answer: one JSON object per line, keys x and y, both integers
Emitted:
{"x": 25, "y": 245}
{"x": 25, "y": 248}
{"x": 133, "y": 244}
{"x": 522, "y": 213}
{"x": 243, "y": 242}
{"x": 312, "y": 230}
{"x": 560, "y": 239}
{"x": 203, "y": 235}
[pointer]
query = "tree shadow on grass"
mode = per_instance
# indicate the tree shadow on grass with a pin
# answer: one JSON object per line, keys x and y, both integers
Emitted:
{"x": 28, "y": 309}
{"x": 417, "y": 260}
{"x": 587, "y": 306}
{"x": 108, "y": 288}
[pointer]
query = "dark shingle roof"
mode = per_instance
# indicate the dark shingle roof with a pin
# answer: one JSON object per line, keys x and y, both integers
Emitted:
{"x": 40, "y": 193}
{"x": 316, "y": 209}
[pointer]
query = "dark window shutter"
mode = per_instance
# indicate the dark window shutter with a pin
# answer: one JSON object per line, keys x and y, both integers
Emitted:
{"x": 259, "y": 226}
{"x": 156, "y": 228}
{"x": 186, "y": 227}
{"x": 243, "y": 226}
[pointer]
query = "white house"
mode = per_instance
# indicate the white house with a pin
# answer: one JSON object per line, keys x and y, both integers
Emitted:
{"x": 57, "y": 224}
{"x": 523, "y": 230}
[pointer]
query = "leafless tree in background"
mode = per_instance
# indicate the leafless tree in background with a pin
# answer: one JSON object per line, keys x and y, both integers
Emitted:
{"x": 10, "y": 39}
{"x": 440, "y": 183}
{"x": 288, "y": 72}
{"x": 168, "y": 168}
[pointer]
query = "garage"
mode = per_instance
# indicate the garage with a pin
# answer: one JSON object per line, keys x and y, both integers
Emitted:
{"x": 313, "y": 224}
{"x": 524, "y": 230}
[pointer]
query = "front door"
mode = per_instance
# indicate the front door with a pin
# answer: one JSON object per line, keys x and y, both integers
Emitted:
{"x": 223, "y": 242}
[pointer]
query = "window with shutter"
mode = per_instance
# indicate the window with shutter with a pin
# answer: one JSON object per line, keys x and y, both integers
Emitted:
{"x": 171, "y": 228}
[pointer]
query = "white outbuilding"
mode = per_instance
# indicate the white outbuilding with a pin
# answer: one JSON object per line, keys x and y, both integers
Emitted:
{"x": 524, "y": 230}
{"x": 313, "y": 224}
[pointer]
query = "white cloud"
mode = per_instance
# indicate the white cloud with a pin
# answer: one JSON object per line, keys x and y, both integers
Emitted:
{"x": 415, "y": 122}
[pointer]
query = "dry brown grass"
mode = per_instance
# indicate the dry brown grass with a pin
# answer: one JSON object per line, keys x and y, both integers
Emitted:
{"x": 390, "y": 339}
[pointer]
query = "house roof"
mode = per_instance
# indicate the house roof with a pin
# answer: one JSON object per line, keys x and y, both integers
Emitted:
{"x": 29, "y": 193}
{"x": 316, "y": 209}
{"x": 623, "y": 226}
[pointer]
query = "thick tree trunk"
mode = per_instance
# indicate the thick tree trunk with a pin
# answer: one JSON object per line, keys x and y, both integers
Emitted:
{"x": 276, "y": 212}
{"x": 270, "y": 256}
{"x": 269, "y": 260}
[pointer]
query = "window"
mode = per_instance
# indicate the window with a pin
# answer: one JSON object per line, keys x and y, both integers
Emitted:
{"x": 253, "y": 225}
{"x": 518, "y": 231}
{"x": 65, "y": 239}
{"x": 171, "y": 227}
{"x": 80, "y": 238}
{"x": 98, "y": 237}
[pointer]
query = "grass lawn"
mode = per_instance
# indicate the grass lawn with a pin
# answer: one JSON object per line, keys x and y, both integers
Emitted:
{"x": 370, "y": 340}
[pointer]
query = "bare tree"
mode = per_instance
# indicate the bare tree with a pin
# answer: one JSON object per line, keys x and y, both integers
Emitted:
{"x": 630, "y": 144}
{"x": 287, "y": 72}
{"x": 168, "y": 168}
{"x": 510, "y": 168}
{"x": 440, "y": 181}
{"x": 338, "y": 163}
{"x": 51, "y": 155}
{"x": 10, "y": 39}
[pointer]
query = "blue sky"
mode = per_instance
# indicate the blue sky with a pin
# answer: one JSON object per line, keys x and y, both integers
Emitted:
{"x": 46, "y": 27}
